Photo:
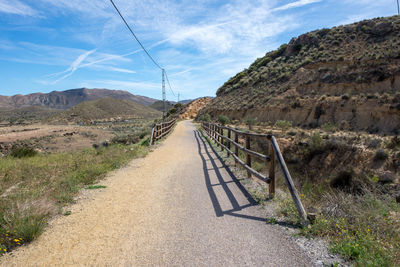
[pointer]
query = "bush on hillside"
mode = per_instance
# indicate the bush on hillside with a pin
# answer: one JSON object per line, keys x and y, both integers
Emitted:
{"x": 250, "y": 121}
{"x": 23, "y": 152}
{"x": 223, "y": 119}
{"x": 205, "y": 117}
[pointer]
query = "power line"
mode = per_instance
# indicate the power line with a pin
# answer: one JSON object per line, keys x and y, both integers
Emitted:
{"x": 134, "y": 35}
{"x": 169, "y": 83}
{"x": 398, "y": 8}
{"x": 163, "y": 72}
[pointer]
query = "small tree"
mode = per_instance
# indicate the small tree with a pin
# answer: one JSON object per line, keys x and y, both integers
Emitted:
{"x": 205, "y": 117}
{"x": 171, "y": 111}
{"x": 178, "y": 105}
{"x": 250, "y": 121}
{"x": 223, "y": 119}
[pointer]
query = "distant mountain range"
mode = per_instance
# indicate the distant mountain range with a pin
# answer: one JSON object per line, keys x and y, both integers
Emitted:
{"x": 104, "y": 109}
{"x": 69, "y": 98}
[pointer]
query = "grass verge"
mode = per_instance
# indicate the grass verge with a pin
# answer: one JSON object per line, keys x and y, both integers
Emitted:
{"x": 32, "y": 189}
{"x": 363, "y": 228}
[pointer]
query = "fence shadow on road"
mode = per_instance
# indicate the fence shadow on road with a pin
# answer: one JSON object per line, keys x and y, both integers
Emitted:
{"x": 208, "y": 154}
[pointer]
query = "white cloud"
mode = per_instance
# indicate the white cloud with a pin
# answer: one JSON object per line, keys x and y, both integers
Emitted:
{"x": 299, "y": 3}
{"x": 17, "y": 8}
{"x": 118, "y": 69}
{"x": 122, "y": 84}
{"x": 237, "y": 28}
{"x": 74, "y": 66}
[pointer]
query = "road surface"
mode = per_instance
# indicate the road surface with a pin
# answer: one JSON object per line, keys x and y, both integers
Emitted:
{"x": 176, "y": 206}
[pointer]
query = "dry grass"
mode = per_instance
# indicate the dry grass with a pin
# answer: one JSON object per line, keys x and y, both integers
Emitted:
{"x": 32, "y": 189}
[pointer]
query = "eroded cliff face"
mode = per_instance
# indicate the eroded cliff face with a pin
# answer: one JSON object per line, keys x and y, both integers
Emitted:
{"x": 376, "y": 109}
{"x": 348, "y": 76}
{"x": 191, "y": 109}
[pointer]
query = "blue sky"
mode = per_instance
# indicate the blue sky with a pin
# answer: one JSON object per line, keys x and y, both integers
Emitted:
{"x": 48, "y": 45}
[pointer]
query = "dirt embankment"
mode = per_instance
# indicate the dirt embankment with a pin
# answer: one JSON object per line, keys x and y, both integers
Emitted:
{"x": 191, "y": 110}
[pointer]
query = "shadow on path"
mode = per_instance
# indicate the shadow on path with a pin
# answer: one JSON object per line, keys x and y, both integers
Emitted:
{"x": 208, "y": 154}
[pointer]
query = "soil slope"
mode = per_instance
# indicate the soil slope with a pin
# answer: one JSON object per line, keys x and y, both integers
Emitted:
{"x": 348, "y": 76}
{"x": 191, "y": 109}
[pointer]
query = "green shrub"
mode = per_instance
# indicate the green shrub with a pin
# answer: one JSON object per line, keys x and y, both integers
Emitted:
{"x": 381, "y": 154}
{"x": 283, "y": 124}
{"x": 329, "y": 127}
{"x": 126, "y": 139}
{"x": 250, "y": 121}
{"x": 23, "y": 152}
{"x": 145, "y": 142}
{"x": 345, "y": 97}
{"x": 223, "y": 119}
{"x": 172, "y": 111}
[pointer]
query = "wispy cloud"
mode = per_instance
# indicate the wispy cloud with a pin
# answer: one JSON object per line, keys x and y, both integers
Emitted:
{"x": 17, "y": 8}
{"x": 299, "y": 3}
{"x": 180, "y": 72}
{"x": 127, "y": 85}
{"x": 118, "y": 70}
{"x": 74, "y": 66}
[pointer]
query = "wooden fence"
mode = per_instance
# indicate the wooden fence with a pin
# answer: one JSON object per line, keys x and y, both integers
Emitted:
{"x": 222, "y": 135}
{"x": 160, "y": 130}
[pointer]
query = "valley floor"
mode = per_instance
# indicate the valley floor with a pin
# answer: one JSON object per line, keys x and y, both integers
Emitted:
{"x": 177, "y": 206}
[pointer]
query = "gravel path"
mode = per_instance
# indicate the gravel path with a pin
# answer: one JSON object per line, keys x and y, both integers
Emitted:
{"x": 177, "y": 206}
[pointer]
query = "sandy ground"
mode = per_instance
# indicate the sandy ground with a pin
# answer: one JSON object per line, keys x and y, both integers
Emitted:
{"x": 13, "y": 133}
{"x": 55, "y": 138}
{"x": 177, "y": 206}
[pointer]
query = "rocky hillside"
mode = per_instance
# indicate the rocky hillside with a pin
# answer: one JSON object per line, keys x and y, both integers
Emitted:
{"x": 69, "y": 98}
{"x": 191, "y": 109}
{"x": 159, "y": 105}
{"x": 25, "y": 115}
{"x": 105, "y": 109}
{"x": 348, "y": 76}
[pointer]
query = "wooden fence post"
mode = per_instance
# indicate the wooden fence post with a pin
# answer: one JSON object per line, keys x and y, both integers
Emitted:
{"x": 248, "y": 157}
{"x": 213, "y": 131}
{"x": 289, "y": 182}
{"x": 271, "y": 174}
{"x": 229, "y": 142}
{"x": 236, "y": 148}
{"x": 152, "y": 134}
{"x": 221, "y": 131}
{"x": 216, "y": 133}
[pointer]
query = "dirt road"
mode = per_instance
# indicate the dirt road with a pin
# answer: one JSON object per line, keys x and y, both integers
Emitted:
{"x": 177, "y": 206}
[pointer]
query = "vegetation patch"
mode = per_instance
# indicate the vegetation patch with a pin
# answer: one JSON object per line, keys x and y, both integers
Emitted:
{"x": 96, "y": 186}
{"x": 32, "y": 189}
{"x": 23, "y": 152}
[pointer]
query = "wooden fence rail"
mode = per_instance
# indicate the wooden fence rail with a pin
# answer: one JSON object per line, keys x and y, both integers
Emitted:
{"x": 160, "y": 130}
{"x": 216, "y": 132}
